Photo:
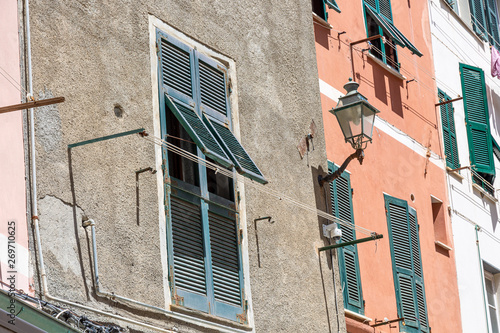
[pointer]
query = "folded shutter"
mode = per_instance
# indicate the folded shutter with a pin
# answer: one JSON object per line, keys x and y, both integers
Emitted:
{"x": 477, "y": 17}
{"x": 449, "y": 134}
{"x": 477, "y": 119}
{"x": 333, "y": 5}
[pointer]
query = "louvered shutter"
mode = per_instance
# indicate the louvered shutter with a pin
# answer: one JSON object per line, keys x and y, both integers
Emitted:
{"x": 372, "y": 3}
{"x": 385, "y": 8}
{"x": 198, "y": 131}
{"x": 341, "y": 197}
{"x": 449, "y": 134}
{"x": 242, "y": 161}
{"x": 225, "y": 262}
{"x": 212, "y": 85}
{"x": 477, "y": 119}
{"x": 477, "y": 17}
{"x": 492, "y": 16}
{"x": 417, "y": 270}
{"x": 176, "y": 68}
{"x": 187, "y": 251}
{"x": 407, "y": 263}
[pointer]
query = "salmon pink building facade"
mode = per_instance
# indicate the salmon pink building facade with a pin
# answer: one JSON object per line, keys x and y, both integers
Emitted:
{"x": 405, "y": 281}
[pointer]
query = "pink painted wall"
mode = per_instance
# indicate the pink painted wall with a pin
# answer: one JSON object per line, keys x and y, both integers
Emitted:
{"x": 12, "y": 177}
{"x": 389, "y": 166}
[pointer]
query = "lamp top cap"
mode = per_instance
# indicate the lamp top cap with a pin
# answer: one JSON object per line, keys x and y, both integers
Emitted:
{"x": 351, "y": 86}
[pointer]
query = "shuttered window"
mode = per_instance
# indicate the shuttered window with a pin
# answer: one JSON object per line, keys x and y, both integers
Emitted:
{"x": 407, "y": 265}
{"x": 379, "y": 21}
{"x": 449, "y": 133}
{"x": 484, "y": 17}
{"x": 319, "y": 7}
{"x": 341, "y": 200}
{"x": 204, "y": 242}
{"x": 477, "y": 119}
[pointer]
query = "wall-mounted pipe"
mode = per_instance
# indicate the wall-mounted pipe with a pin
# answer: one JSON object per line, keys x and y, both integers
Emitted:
{"x": 477, "y": 228}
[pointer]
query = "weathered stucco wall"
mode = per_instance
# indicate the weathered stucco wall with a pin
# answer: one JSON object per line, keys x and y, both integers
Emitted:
{"x": 97, "y": 55}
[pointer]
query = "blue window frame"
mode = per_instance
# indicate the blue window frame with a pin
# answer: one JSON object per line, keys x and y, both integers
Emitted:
{"x": 204, "y": 236}
{"x": 319, "y": 7}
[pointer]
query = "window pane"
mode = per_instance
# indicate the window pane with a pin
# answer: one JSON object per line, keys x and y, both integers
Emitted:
{"x": 180, "y": 167}
{"x": 373, "y": 29}
{"x": 219, "y": 184}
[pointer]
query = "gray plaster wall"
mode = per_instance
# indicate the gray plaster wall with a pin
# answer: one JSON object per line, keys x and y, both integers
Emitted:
{"x": 96, "y": 54}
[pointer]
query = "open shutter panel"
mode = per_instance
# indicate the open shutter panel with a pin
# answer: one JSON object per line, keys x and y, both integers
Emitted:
{"x": 198, "y": 131}
{"x": 477, "y": 17}
{"x": 176, "y": 69}
{"x": 242, "y": 161}
{"x": 492, "y": 17}
{"x": 333, "y": 5}
{"x": 341, "y": 196}
{"x": 372, "y": 3}
{"x": 402, "y": 259}
{"x": 449, "y": 134}
{"x": 418, "y": 272}
{"x": 188, "y": 251}
{"x": 212, "y": 85}
{"x": 477, "y": 119}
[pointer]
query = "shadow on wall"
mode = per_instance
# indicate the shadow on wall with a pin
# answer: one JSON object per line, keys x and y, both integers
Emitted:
{"x": 495, "y": 102}
{"x": 321, "y": 35}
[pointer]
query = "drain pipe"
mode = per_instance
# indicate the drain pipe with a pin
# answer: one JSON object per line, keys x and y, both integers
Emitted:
{"x": 179, "y": 316}
{"x": 482, "y": 276}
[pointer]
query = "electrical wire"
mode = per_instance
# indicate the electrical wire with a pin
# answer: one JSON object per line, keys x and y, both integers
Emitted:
{"x": 248, "y": 182}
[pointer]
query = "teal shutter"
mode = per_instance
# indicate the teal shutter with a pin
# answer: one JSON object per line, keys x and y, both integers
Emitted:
{"x": 212, "y": 86}
{"x": 407, "y": 266}
{"x": 187, "y": 251}
{"x": 242, "y": 161}
{"x": 372, "y": 4}
{"x": 477, "y": 17}
{"x": 385, "y": 8}
{"x": 449, "y": 133}
{"x": 333, "y": 5}
{"x": 341, "y": 200}
{"x": 198, "y": 131}
{"x": 477, "y": 119}
{"x": 492, "y": 16}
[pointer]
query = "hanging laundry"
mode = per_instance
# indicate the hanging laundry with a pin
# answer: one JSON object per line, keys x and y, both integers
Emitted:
{"x": 495, "y": 63}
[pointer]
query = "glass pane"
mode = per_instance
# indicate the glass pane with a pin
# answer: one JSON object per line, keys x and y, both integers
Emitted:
{"x": 373, "y": 29}
{"x": 219, "y": 184}
{"x": 180, "y": 167}
{"x": 368, "y": 119}
{"x": 490, "y": 292}
{"x": 494, "y": 320}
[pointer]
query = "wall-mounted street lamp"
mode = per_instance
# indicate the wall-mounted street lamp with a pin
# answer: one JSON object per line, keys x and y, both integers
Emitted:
{"x": 356, "y": 117}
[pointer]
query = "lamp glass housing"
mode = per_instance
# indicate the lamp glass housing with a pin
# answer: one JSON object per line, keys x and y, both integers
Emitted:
{"x": 355, "y": 116}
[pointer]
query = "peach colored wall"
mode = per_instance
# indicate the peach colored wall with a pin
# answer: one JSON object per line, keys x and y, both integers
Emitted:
{"x": 12, "y": 180}
{"x": 389, "y": 166}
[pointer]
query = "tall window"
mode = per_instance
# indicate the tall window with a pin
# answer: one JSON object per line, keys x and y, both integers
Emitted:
{"x": 478, "y": 124}
{"x": 406, "y": 265}
{"x": 204, "y": 236}
{"x": 449, "y": 133}
{"x": 378, "y": 17}
{"x": 491, "y": 296}
{"x": 484, "y": 18}
{"x": 341, "y": 199}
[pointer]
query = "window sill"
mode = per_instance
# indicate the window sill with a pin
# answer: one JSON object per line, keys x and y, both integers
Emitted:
{"x": 386, "y": 67}
{"x": 443, "y": 245}
{"x": 357, "y": 316}
{"x": 484, "y": 193}
{"x": 231, "y": 325}
{"x": 318, "y": 20}
{"x": 454, "y": 173}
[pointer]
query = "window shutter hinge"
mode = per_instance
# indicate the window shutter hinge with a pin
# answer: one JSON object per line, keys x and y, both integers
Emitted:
{"x": 240, "y": 236}
{"x": 229, "y": 85}
{"x": 157, "y": 49}
{"x": 352, "y": 192}
{"x": 386, "y": 211}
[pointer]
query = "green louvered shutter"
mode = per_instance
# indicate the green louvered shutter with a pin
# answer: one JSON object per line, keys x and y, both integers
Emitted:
{"x": 333, "y": 5}
{"x": 242, "y": 161}
{"x": 492, "y": 16}
{"x": 176, "y": 68}
{"x": 212, "y": 85}
{"x": 198, "y": 131}
{"x": 407, "y": 265}
{"x": 188, "y": 251}
{"x": 449, "y": 133}
{"x": 417, "y": 270}
{"x": 225, "y": 262}
{"x": 477, "y": 119}
{"x": 385, "y": 8}
{"x": 477, "y": 17}
{"x": 372, "y": 3}
{"x": 341, "y": 196}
